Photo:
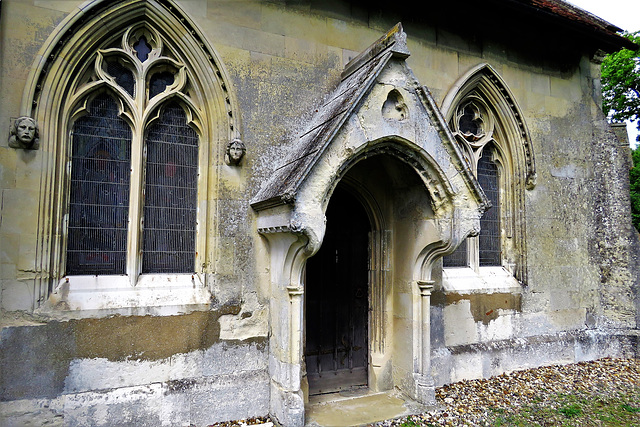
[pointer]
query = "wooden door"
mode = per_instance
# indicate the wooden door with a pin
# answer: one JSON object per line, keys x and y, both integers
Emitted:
{"x": 337, "y": 300}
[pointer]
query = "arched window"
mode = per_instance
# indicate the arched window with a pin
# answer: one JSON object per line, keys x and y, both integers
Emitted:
{"x": 489, "y": 240}
{"x": 99, "y": 191}
{"x": 170, "y": 195}
{"x": 491, "y": 135}
{"x": 473, "y": 127}
{"x": 134, "y": 109}
{"x": 134, "y": 164}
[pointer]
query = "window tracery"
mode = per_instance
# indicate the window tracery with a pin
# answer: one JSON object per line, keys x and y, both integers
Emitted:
{"x": 473, "y": 126}
{"x": 491, "y": 133}
{"x": 148, "y": 58}
{"x": 134, "y": 164}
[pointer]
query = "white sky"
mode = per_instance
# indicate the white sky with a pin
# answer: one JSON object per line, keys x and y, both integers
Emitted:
{"x": 621, "y": 13}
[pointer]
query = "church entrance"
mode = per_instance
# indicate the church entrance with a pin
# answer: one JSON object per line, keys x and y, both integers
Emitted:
{"x": 337, "y": 300}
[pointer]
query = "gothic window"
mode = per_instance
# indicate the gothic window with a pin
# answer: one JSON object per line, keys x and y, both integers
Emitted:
{"x": 133, "y": 198}
{"x": 170, "y": 195}
{"x": 135, "y": 108}
{"x": 473, "y": 125}
{"x": 491, "y": 134}
{"x": 489, "y": 247}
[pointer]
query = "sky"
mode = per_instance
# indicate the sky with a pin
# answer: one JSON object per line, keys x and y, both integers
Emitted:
{"x": 621, "y": 13}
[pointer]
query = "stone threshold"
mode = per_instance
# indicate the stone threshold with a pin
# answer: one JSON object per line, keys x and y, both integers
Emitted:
{"x": 359, "y": 407}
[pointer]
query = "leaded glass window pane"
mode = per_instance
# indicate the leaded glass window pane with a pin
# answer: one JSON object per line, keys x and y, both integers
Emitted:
{"x": 489, "y": 239}
{"x": 468, "y": 121}
{"x": 170, "y": 204}
{"x": 142, "y": 49}
{"x": 159, "y": 82}
{"x": 99, "y": 198}
{"x": 458, "y": 258}
{"x": 122, "y": 75}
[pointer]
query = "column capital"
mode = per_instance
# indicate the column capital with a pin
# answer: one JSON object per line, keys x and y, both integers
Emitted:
{"x": 295, "y": 290}
{"x": 425, "y": 286}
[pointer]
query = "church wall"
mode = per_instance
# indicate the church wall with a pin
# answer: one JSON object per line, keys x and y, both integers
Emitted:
{"x": 211, "y": 365}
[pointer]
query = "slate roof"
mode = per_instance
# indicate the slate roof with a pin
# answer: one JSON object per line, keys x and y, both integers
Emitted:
{"x": 362, "y": 71}
{"x": 358, "y": 77}
{"x": 573, "y": 15}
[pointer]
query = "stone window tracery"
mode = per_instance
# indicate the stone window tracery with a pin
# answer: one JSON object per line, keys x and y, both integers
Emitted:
{"x": 133, "y": 200}
{"x": 473, "y": 126}
{"x": 470, "y": 122}
{"x": 489, "y": 127}
{"x": 137, "y": 81}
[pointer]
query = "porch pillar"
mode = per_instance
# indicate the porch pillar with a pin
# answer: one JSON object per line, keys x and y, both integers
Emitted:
{"x": 287, "y": 254}
{"x": 295, "y": 300}
{"x": 425, "y": 388}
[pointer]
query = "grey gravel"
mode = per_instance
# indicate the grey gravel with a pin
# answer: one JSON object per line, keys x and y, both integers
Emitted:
{"x": 481, "y": 402}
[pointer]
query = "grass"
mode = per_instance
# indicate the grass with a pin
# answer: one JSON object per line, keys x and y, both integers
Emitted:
{"x": 573, "y": 410}
{"x": 551, "y": 410}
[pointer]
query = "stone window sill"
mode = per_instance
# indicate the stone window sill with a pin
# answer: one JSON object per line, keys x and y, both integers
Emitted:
{"x": 100, "y": 296}
{"x": 464, "y": 280}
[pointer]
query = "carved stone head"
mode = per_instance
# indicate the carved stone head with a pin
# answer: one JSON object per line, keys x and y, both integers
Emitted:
{"x": 24, "y": 134}
{"x": 235, "y": 152}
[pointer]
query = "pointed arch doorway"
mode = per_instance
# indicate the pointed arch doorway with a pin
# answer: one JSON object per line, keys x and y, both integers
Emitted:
{"x": 337, "y": 303}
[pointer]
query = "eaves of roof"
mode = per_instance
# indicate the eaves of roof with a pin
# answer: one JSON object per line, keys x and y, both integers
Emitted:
{"x": 559, "y": 12}
{"x": 357, "y": 78}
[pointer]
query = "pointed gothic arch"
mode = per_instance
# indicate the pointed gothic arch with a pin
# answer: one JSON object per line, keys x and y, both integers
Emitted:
{"x": 482, "y": 112}
{"x": 74, "y": 67}
{"x": 379, "y": 110}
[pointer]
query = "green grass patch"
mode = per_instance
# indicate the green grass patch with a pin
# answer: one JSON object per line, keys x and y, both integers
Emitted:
{"x": 621, "y": 410}
{"x": 571, "y": 411}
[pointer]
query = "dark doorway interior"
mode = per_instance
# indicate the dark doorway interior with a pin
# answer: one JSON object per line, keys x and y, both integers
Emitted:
{"x": 337, "y": 300}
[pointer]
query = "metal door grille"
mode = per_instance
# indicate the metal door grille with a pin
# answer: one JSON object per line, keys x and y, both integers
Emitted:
{"x": 489, "y": 239}
{"x": 169, "y": 231}
{"x": 99, "y": 197}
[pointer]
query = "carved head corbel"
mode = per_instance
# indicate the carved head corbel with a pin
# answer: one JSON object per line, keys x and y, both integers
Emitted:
{"x": 24, "y": 134}
{"x": 235, "y": 152}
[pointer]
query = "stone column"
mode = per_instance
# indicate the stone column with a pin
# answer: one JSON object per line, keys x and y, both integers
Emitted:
{"x": 425, "y": 388}
{"x": 286, "y": 251}
{"x": 295, "y": 300}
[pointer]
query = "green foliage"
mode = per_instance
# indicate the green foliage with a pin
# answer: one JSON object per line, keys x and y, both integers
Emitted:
{"x": 408, "y": 422}
{"x": 621, "y": 83}
{"x": 628, "y": 408}
{"x": 611, "y": 410}
{"x": 634, "y": 180}
{"x": 571, "y": 411}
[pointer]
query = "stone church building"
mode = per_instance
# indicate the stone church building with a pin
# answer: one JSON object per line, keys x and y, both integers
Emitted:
{"x": 215, "y": 209}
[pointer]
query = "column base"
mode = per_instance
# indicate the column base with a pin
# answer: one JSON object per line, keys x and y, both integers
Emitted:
{"x": 425, "y": 389}
{"x": 286, "y": 406}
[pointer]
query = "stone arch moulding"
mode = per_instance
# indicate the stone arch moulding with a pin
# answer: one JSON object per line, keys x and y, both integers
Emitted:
{"x": 355, "y": 123}
{"x": 510, "y": 135}
{"x": 48, "y": 95}
{"x": 485, "y": 81}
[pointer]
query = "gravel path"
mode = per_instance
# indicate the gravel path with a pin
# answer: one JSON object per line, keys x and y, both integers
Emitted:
{"x": 482, "y": 402}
